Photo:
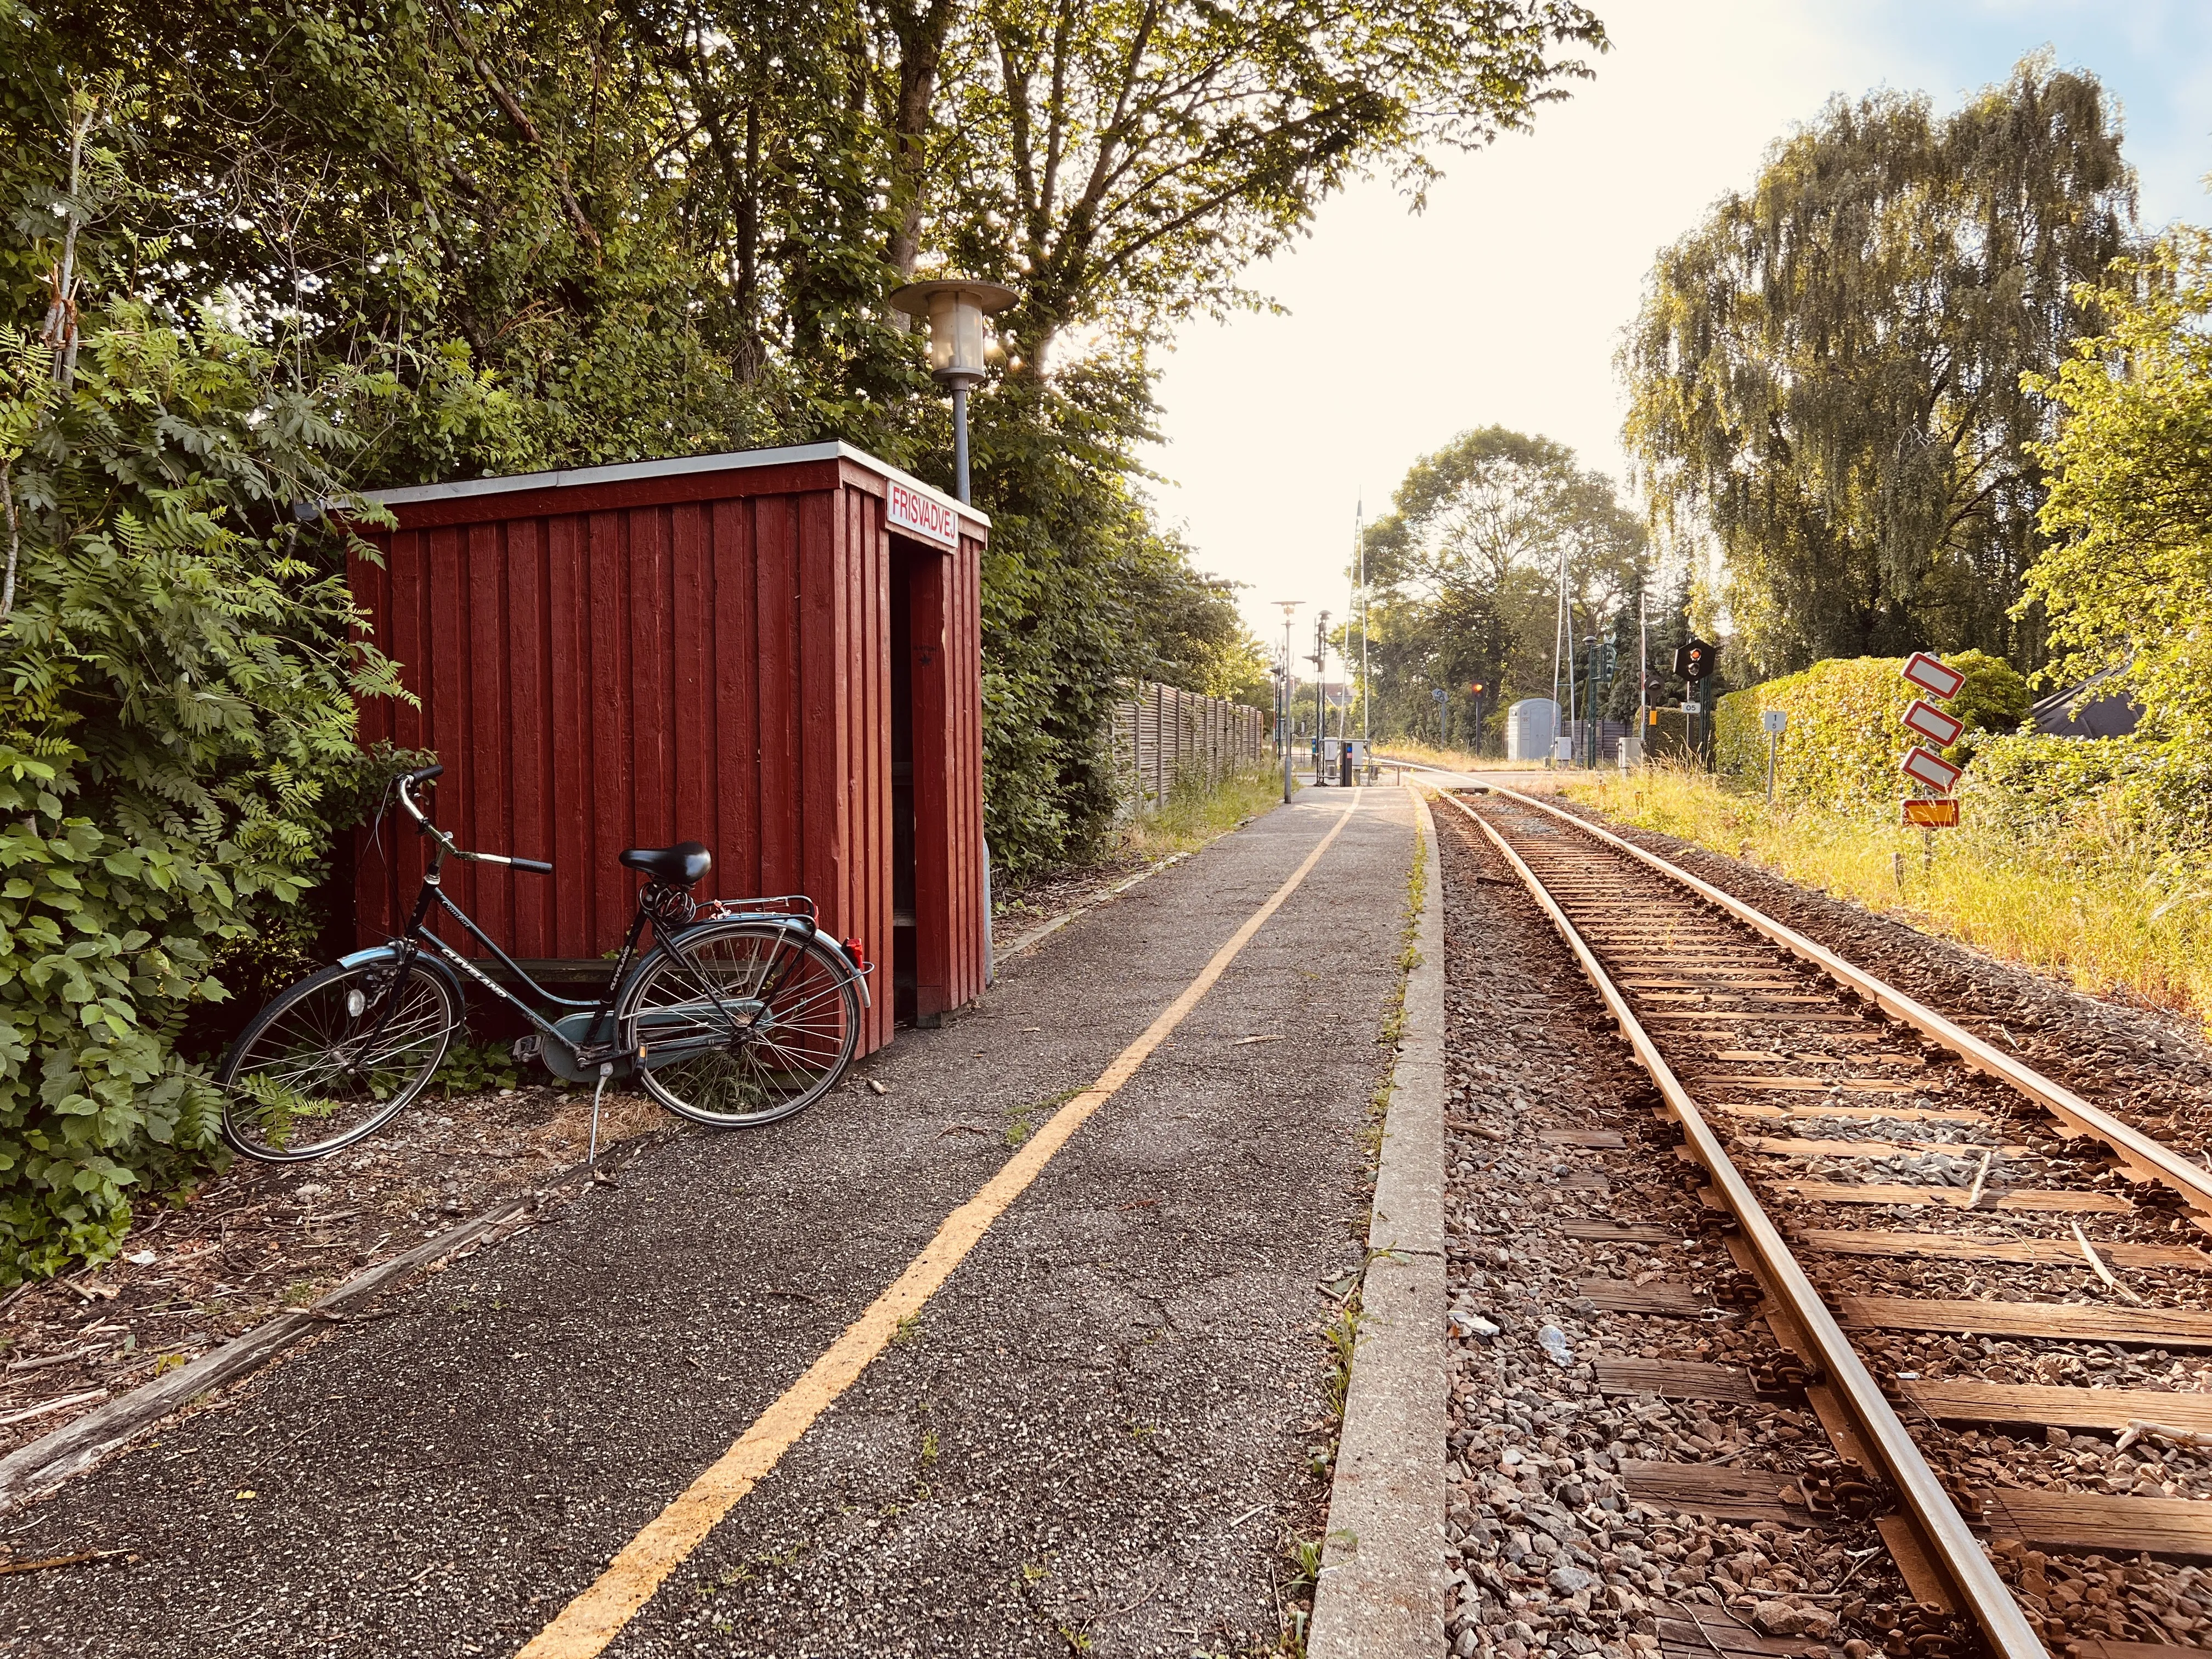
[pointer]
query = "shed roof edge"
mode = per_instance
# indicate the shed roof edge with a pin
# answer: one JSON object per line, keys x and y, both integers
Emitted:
{"x": 676, "y": 466}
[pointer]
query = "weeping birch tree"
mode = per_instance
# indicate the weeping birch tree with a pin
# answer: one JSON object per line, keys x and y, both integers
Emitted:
{"x": 1826, "y": 375}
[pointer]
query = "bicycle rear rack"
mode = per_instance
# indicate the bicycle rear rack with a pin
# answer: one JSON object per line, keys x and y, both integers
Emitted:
{"x": 780, "y": 904}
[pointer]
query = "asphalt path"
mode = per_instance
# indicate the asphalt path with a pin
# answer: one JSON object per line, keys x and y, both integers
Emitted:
{"x": 1097, "y": 1437}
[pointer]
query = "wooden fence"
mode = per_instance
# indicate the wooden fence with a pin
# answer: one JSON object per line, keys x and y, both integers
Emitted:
{"x": 1165, "y": 739}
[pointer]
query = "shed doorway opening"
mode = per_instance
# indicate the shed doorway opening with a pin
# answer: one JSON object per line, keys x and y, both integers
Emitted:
{"x": 904, "y": 961}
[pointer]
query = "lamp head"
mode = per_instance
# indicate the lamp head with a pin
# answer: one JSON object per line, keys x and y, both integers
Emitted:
{"x": 954, "y": 309}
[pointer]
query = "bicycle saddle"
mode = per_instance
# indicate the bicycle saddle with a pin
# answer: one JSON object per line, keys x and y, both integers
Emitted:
{"x": 679, "y": 865}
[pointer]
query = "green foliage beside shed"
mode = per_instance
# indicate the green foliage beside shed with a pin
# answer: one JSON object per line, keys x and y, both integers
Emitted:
{"x": 176, "y": 737}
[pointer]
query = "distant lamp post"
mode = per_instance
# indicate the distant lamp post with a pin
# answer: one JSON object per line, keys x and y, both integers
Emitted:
{"x": 1287, "y": 676}
{"x": 954, "y": 309}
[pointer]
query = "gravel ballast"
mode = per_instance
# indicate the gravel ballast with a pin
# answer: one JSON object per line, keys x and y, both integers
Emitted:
{"x": 1551, "y": 1556}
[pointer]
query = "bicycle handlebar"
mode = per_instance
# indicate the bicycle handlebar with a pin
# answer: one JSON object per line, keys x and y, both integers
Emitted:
{"x": 406, "y": 781}
{"x": 428, "y": 773}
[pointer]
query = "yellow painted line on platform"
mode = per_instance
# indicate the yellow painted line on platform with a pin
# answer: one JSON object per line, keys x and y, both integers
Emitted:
{"x": 596, "y": 1617}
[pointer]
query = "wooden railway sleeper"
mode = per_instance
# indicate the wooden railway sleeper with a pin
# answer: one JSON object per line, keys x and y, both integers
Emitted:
{"x": 2154, "y": 1197}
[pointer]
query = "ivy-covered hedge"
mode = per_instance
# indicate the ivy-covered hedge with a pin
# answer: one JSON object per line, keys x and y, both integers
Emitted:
{"x": 178, "y": 671}
{"x": 2115, "y": 786}
{"x": 1846, "y": 731}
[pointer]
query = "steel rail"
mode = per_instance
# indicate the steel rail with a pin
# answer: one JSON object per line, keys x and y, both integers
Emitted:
{"x": 2145, "y": 1156}
{"x": 1951, "y": 1545}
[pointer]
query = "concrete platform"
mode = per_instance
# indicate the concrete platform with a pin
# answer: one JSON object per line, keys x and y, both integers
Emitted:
{"x": 1098, "y": 1434}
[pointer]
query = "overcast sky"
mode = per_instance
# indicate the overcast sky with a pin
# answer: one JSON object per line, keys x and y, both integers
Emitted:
{"x": 1504, "y": 302}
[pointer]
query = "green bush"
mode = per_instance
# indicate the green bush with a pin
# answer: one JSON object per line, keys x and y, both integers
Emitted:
{"x": 475, "y": 1069}
{"x": 2114, "y": 787}
{"x": 177, "y": 673}
{"x": 1846, "y": 731}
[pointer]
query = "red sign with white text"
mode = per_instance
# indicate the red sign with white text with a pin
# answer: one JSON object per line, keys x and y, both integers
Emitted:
{"x": 907, "y": 509}
{"x": 1933, "y": 724}
{"x": 1932, "y": 676}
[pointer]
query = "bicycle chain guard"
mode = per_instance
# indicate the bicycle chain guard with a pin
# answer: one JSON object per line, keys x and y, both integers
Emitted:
{"x": 579, "y": 1031}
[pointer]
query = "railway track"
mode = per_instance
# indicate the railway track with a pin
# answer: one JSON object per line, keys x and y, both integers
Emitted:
{"x": 1855, "y": 1144}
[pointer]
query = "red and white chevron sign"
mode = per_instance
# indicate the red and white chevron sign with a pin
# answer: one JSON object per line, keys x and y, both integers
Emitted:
{"x": 1930, "y": 722}
{"x": 1925, "y": 766}
{"x": 1933, "y": 677}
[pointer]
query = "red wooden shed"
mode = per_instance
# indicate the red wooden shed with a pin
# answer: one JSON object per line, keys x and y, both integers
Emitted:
{"x": 775, "y": 652}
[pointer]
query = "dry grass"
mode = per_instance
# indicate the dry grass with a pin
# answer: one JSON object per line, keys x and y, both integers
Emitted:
{"x": 2113, "y": 918}
{"x": 1457, "y": 760}
{"x": 622, "y": 1117}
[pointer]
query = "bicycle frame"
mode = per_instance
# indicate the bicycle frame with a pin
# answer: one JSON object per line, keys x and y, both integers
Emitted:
{"x": 414, "y": 937}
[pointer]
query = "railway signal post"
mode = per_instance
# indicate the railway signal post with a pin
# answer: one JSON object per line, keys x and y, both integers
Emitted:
{"x": 1694, "y": 662}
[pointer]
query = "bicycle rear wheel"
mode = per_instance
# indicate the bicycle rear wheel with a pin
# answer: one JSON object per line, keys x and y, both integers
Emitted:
{"x": 741, "y": 1023}
{"x": 335, "y": 1058}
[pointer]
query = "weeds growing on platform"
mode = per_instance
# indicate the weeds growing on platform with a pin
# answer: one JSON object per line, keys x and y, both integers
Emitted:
{"x": 2084, "y": 901}
{"x": 1191, "y": 817}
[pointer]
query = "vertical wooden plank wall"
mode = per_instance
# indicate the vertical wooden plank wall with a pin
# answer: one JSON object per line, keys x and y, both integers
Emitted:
{"x": 637, "y": 674}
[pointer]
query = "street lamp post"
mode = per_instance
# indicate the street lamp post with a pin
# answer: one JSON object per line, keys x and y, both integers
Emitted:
{"x": 1320, "y": 691}
{"x": 955, "y": 309}
{"x": 1290, "y": 688}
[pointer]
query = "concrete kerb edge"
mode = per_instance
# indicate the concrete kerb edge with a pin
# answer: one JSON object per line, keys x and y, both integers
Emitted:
{"x": 1383, "y": 1585}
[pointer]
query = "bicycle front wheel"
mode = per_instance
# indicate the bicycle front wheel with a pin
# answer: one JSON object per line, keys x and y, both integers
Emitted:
{"x": 741, "y": 1023}
{"x": 335, "y": 1058}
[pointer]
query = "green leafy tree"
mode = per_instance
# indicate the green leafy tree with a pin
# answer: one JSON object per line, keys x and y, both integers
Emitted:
{"x": 2127, "y": 584}
{"x": 1468, "y": 561}
{"x": 1122, "y": 168}
{"x": 552, "y": 235}
{"x": 1827, "y": 374}
{"x": 178, "y": 668}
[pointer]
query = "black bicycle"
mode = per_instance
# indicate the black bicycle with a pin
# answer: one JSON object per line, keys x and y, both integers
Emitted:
{"x": 740, "y": 1013}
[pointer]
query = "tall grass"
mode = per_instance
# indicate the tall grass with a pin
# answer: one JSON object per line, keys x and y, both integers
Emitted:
{"x": 2078, "y": 901}
{"x": 1457, "y": 760}
{"x": 1194, "y": 815}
